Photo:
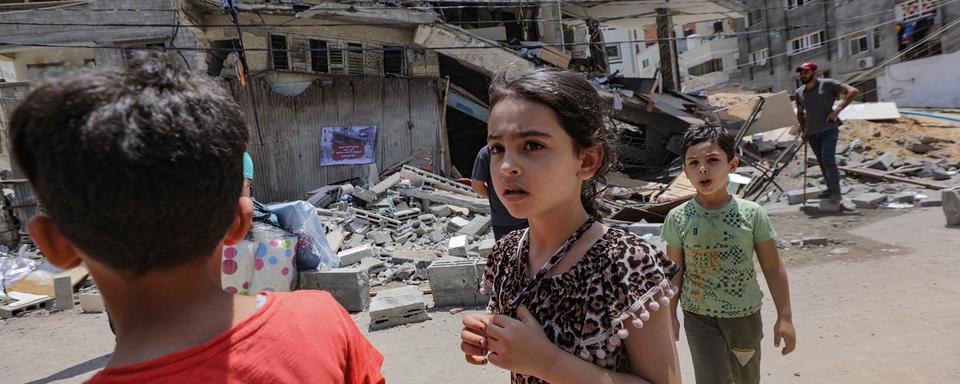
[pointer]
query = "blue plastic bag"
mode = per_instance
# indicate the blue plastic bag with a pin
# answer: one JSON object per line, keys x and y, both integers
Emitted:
{"x": 313, "y": 251}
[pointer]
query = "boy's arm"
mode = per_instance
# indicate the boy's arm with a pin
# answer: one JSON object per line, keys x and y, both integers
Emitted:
{"x": 776, "y": 275}
{"x": 676, "y": 256}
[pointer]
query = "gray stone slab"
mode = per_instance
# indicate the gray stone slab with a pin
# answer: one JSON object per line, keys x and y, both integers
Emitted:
{"x": 441, "y": 210}
{"x": 869, "y": 200}
{"x": 486, "y": 247}
{"x": 797, "y": 196}
{"x": 476, "y": 227}
{"x": 397, "y": 306}
{"x": 63, "y": 289}
{"x": 350, "y": 286}
{"x": 354, "y": 255}
{"x": 456, "y": 282}
{"x": 456, "y": 224}
{"x": 379, "y": 237}
{"x": 882, "y": 163}
{"x": 372, "y": 265}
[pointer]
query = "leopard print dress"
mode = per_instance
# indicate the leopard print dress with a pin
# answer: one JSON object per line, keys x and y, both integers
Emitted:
{"x": 584, "y": 309}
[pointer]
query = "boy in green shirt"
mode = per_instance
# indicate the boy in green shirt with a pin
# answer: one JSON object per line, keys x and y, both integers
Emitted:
{"x": 713, "y": 238}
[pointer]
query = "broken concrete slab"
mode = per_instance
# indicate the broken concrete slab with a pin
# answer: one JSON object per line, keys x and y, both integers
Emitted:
{"x": 643, "y": 228}
{"x": 457, "y": 282}
{"x": 798, "y": 197}
{"x": 386, "y": 184}
{"x": 931, "y": 202}
{"x": 456, "y": 224}
{"x": 829, "y": 206}
{"x": 942, "y": 174}
{"x": 350, "y": 286}
{"x": 476, "y": 227}
{"x": 379, "y": 237}
{"x": 457, "y": 210}
{"x": 915, "y": 146}
{"x": 474, "y": 204}
{"x": 869, "y": 200}
{"x": 951, "y": 205}
{"x": 421, "y": 258}
{"x": 441, "y": 210}
{"x": 372, "y": 265}
{"x": 486, "y": 247}
{"x": 457, "y": 246}
{"x": 354, "y": 255}
{"x": 882, "y": 163}
{"x": 397, "y": 306}
{"x": 63, "y": 289}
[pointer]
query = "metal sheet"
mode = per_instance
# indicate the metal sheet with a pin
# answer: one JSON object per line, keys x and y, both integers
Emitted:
{"x": 870, "y": 111}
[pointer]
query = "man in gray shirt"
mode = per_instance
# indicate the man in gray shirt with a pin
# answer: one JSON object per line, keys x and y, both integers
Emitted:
{"x": 820, "y": 122}
{"x": 482, "y": 182}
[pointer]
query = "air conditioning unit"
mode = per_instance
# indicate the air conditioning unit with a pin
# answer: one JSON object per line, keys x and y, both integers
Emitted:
{"x": 864, "y": 63}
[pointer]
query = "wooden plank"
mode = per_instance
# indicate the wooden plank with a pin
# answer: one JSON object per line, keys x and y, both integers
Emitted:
{"x": 885, "y": 176}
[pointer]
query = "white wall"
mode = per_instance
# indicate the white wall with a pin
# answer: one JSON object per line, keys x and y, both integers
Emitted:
{"x": 72, "y": 58}
{"x": 8, "y": 71}
{"x": 627, "y": 64}
{"x": 927, "y": 82}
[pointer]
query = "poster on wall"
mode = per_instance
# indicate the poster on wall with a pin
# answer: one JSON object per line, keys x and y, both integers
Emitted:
{"x": 348, "y": 145}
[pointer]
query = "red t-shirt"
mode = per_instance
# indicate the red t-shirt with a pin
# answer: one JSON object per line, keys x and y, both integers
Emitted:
{"x": 296, "y": 337}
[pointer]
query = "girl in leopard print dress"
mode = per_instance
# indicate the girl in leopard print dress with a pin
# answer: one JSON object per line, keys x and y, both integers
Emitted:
{"x": 572, "y": 300}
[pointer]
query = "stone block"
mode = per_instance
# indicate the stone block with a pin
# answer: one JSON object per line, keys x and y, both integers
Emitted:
{"x": 476, "y": 227}
{"x": 456, "y": 282}
{"x": 456, "y": 224}
{"x": 441, "y": 210}
{"x": 882, "y": 163}
{"x": 462, "y": 211}
{"x": 486, "y": 247}
{"x": 379, "y": 237}
{"x": 354, "y": 255}
{"x": 372, "y": 265}
{"x": 421, "y": 259}
{"x": 797, "y": 196}
{"x": 91, "y": 302}
{"x": 397, "y": 306}
{"x": 642, "y": 228}
{"x": 951, "y": 205}
{"x": 870, "y": 200}
{"x": 350, "y": 286}
{"x": 63, "y": 289}
{"x": 457, "y": 246}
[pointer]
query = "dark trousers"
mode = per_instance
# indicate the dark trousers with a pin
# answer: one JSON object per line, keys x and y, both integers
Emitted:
{"x": 824, "y": 146}
{"x": 724, "y": 351}
{"x": 502, "y": 230}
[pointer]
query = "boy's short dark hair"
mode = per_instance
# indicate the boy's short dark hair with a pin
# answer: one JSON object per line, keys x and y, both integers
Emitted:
{"x": 708, "y": 132}
{"x": 139, "y": 166}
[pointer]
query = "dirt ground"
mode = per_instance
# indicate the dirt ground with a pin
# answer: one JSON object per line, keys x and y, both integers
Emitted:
{"x": 882, "y": 309}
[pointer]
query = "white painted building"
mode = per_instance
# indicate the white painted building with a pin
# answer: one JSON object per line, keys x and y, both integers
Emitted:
{"x": 706, "y": 55}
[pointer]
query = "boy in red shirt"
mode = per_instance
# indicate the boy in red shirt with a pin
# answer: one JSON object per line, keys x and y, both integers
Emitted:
{"x": 139, "y": 170}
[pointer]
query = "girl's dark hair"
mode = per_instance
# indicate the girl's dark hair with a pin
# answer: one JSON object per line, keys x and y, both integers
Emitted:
{"x": 580, "y": 108}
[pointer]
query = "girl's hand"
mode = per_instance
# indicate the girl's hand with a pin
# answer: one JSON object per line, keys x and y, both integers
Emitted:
{"x": 784, "y": 330}
{"x": 520, "y": 345}
{"x": 473, "y": 340}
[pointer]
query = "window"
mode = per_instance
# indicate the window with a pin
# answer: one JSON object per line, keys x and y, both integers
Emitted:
{"x": 355, "y": 58}
{"x": 279, "y": 53}
{"x": 319, "y": 61}
{"x": 754, "y": 17}
{"x": 806, "y": 42}
{"x": 859, "y": 44}
{"x": 718, "y": 26}
{"x": 646, "y": 63}
{"x": 393, "y": 61}
{"x": 791, "y": 4}
{"x": 759, "y": 57}
{"x": 710, "y": 66}
{"x": 876, "y": 38}
{"x": 613, "y": 53}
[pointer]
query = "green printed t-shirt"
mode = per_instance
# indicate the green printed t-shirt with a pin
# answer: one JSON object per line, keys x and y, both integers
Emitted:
{"x": 718, "y": 246}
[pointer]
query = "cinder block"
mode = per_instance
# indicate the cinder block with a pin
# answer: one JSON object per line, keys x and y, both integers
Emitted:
{"x": 476, "y": 227}
{"x": 870, "y": 200}
{"x": 456, "y": 282}
{"x": 797, "y": 196}
{"x": 354, "y": 255}
{"x": 457, "y": 223}
{"x": 63, "y": 289}
{"x": 642, "y": 229}
{"x": 457, "y": 246}
{"x": 441, "y": 210}
{"x": 350, "y": 286}
{"x": 397, "y": 306}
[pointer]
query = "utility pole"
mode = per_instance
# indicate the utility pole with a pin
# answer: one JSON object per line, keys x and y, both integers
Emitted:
{"x": 667, "y": 43}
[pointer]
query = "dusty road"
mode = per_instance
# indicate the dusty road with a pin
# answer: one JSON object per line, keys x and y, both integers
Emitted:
{"x": 882, "y": 309}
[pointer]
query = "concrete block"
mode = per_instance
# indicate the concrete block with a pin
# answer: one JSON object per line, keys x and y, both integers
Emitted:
{"x": 464, "y": 211}
{"x": 91, "y": 302}
{"x": 828, "y": 206}
{"x": 882, "y": 163}
{"x": 932, "y": 202}
{"x": 456, "y": 282}
{"x": 379, "y": 237}
{"x": 870, "y": 200}
{"x": 421, "y": 258}
{"x": 372, "y": 265}
{"x": 904, "y": 197}
{"x": 476, "y": 227}
{"x": 797, "y": 196}
{"x": 427, "y": 218}
{"x": 486, "y": 247}
{"x": 397, "y": 306}
{"x": 816, "y": 240}
{"x": 63, "y": 289}
{"x": 441, "y": 210}
{"x": 457, "y": 246}
{"x": 354, "y": 255}
{"x": 350, "y": 286}
{"x": 641, "y": 229}
{"x": 456, "y": 224}
{"x": 951, "y": 205}
{"x": 437, "y": 236}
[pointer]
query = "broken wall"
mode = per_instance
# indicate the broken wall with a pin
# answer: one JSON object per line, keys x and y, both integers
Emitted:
{"x": 286, "y": 145}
